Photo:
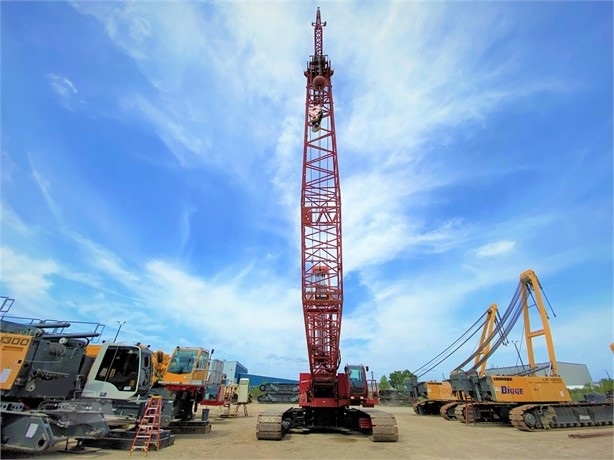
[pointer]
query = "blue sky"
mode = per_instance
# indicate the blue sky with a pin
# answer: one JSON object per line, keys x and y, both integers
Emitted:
{"x": 151, "y": 161}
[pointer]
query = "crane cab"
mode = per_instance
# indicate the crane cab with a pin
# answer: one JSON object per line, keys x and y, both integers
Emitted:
{"x": 362, "y": 391}
{"x": 187, "y": 367}
{"x": 357, "y": 380}
{"x": 119, "y": 371}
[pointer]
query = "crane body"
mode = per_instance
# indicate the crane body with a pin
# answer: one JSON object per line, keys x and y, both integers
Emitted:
{"x": 328, "y": 399}
{"x": 526, "y": 400}
{"x": 436, "y": 398}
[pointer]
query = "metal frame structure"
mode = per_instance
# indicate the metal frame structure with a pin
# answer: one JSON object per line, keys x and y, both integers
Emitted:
{"x": 322, "y": 283}
{"x": 325, "y": 396}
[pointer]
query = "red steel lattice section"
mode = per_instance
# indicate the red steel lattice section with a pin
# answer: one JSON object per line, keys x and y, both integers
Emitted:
{"x": 322, "y": 283}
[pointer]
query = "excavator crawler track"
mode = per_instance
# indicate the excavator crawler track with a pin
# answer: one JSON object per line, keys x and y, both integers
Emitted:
{"x": 533, "y": 417}
{"x": 417, "y": 407}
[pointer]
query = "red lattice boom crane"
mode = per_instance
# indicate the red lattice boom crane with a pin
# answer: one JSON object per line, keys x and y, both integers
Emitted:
{"x": 328, "y": 400}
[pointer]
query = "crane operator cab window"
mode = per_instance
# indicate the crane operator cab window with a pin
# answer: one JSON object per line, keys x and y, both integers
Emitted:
{"x": 120, "y": 367}
{"x": 357, "y": 378}
{"x": 182, "y": 362}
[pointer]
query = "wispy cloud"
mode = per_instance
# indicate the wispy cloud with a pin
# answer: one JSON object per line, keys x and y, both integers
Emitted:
{"x": 495, "y": 249}
{"x": 44, "y": 187}
{"x": 177, "y": 132}
{"x": 66, "y": 91}
{"x": 10, "y": 220}
{"x": 105, "y": 261}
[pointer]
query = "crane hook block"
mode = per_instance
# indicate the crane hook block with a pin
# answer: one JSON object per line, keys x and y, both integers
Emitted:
{"x": 315, "y": 117}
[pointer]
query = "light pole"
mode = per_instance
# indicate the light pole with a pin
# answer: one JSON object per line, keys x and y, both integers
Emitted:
{"x": 118, "y": 329}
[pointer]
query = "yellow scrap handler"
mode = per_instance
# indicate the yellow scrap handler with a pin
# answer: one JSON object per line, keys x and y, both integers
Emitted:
{"x": 526, "y": 400}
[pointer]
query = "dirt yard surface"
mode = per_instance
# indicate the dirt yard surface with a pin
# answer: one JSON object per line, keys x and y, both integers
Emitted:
{"x": 420, "y": 437}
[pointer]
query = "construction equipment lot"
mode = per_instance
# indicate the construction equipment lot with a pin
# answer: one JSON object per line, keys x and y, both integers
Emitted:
{"x": 420, "y": 437}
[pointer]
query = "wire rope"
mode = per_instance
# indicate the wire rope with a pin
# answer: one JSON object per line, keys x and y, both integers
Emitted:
{"x": 428, "y": 363}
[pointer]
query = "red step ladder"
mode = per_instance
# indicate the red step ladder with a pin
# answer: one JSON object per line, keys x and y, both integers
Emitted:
{"x": 149, "y": 427}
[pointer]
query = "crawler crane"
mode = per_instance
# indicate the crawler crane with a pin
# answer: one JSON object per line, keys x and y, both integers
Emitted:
{"x": 43, "y": 367}
{"x": 436, "y": 398}
{"x": 527, "y": 401}
{"x": 328, "y": 400}
{"x": 191, "y": 377}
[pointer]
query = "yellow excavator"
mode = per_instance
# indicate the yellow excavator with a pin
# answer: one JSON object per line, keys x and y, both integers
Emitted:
{"x": 435, "y": 397}
{"x": 526, "y": 400}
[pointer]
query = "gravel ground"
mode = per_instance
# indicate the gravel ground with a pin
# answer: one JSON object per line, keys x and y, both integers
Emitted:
{"x": 419, "y": 438}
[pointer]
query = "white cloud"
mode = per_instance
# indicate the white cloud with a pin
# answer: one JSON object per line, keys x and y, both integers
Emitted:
{"x": 26, "y": 279}
{"x": 495, "y": 249}
{"x": 11, "y": 220}
{"x": 105, "y": 262}
{"x": 240, "y": 312}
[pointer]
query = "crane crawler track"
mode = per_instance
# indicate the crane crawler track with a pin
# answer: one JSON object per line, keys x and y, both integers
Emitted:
{"x": 533, "y": 417}
{"x": 482, "y": 413}
{"x": 447, "y": 411}
{"x": 269, "y": 425}
{"x": 465, "y": 413}
{"x": 384, "y": 426}
{"x": 428, "y": 407}
{"x": 273, "y": 424}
